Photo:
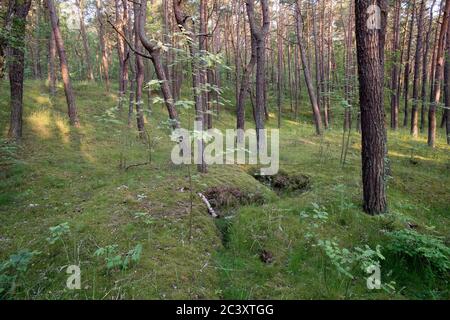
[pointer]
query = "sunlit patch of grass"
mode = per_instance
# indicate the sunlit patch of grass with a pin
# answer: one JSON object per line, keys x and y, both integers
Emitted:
{"x": 40, "y": 123}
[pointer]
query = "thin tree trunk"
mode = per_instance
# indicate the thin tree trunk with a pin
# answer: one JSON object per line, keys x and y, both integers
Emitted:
{"x": 306, "y": 71}
{"x": 155, "y": 55}
{"x": 260, "y": 34}
{"x": 87, "y": 53}
{"x": 138, "y": 21}
{"x": 408, "y": 65}
{"x": 395, "y": 66}
{"x": 70, "y": 98}
{"x": 51, "y": 63}
{"x": 417, "y": 63}
{"x": 425, "y": 63}
{"x": 102, "y": 42}
{"x": 447, "y": 86}
{"x": 438, "y": 77}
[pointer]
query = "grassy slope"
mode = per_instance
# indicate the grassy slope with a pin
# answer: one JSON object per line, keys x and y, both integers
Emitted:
{"x": 73, "y": 176}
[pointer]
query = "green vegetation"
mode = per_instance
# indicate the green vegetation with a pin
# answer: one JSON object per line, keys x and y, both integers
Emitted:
{"x": 66, "y": 198}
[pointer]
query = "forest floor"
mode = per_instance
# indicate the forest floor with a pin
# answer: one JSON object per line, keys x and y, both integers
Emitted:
{"x": 275, "y": 244}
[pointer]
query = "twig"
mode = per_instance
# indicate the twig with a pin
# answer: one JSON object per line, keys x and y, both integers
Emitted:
{"x": 128, "y": 42}
{"x": 137, "y": 165}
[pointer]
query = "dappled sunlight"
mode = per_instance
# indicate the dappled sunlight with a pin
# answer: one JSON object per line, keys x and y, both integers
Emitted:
{"x": 64, "y": 130}
{"x": 292, "y": 122}
{"x": 409, "y": 156}
{"x": 43, "y": 101}
{"x": 40, "y": 123}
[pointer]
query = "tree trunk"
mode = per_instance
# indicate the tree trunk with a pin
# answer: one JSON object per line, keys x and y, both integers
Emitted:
{"x": 16, "y": 25}
{"x": 138, "y": 21}
{"x": 121, "y": 52}
{"x": 200, "y": 105}
{"x": 370, "y": 52}
{"x": 87, "y": 53}
{"x": 438, "y": 77}
{"x": 259, "y": 33}
{"x": 425, "y": 63}
{"x": 72, "y": 109}
{"x": 447, "y": 86}
{"x": 51, "y": 63}
{"x": 395, "y": 66}
{"x": 245, "y": 81}
{"x": 279, "y": 68}
{"x": 408, "y": 65}
{"x": 101, "y": 40}
{"x": 306, "y": 71}
{"x": 155, "y": 53}
{"x": 417, "y": 63}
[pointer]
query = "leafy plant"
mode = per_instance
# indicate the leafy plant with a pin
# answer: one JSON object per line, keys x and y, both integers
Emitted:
{"x": 57, "y": 232}
{"x": 115, "y": 260}
{"x": 346, "y": 260}
{"x": 421, "y": 247}
{"x": 12, "y": 269}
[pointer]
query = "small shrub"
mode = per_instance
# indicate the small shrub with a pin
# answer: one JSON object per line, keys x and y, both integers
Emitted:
{"x": 422, "y": 248}
{"x": 346, "y": 260}
{"x": 11, "y": 271}
{"x": 115, "y": 260}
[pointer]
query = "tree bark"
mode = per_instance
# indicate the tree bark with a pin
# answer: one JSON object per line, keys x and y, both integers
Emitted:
{"x": 447, "y": 86}
{"x": 259, "y": 33}
{"x": 200, "y": 104}
{"x": 438, "y": 77}
{"x": 70, "y": 98}
{"x": 417, "y": 63}
{"x": 306, "y": 71}
{"x": 101, "y": 40}
{"x": 370, "y": 52}
{"x": 408, "y": 65}
{"x": 155, "y": 53}
{"x": 87, "y": 52}
{"x": 138, "y": 21}
{"x": 395, "y": 66}
{"x": 425, "y": 68}
{"x": 16, "y": 25}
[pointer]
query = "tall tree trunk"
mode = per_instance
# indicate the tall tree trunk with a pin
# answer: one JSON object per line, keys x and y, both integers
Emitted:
{"x": 70, "y": 98}
{"x": 138, "y": 21}
{"x": 259, "y": 33}
{"x": 370, "y": 52}
{"x": 408, "y": 65}
{"x": 244, "y": 88}
{"x": 447, "y": 86}
{"x": 279, "y": 68}
{"x": 200, "y": 105}
{"x": 425, "y": 63}
{"x": 306, "y": 70}
{"x": 121, "y": 51}
{"x": 102, "y": 42}
{"x": 395, "y": 66}
{"x": 155, "y": 56}
{"x": 52, "y": 63}
{"x": 417, "y": 63}
{"x": 16, "y": 26}
{"x": 438, "y": 77}
{"x": 87, "y": 53}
